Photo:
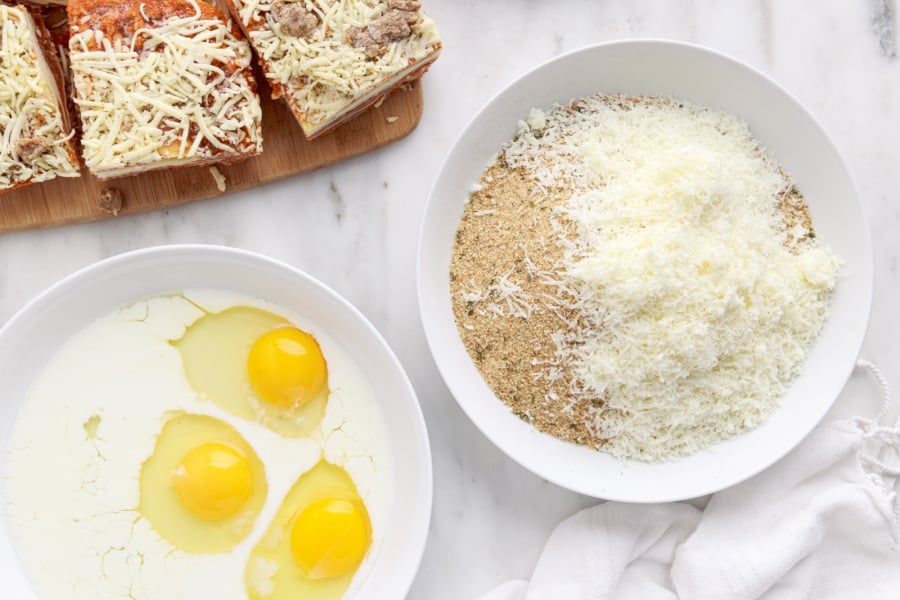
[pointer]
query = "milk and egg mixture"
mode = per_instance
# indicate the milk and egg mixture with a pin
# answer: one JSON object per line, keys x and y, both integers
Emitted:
{"x": 199, "y": 445}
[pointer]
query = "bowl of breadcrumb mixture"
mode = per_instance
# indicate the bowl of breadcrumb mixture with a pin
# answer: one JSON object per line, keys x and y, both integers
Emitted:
{"x": 644, "y": 272}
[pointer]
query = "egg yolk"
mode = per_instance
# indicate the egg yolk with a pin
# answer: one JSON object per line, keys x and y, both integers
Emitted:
{"x": 286, "y": 367}
{"x": 213, "y": 480}
{"x": 329, "y": 537}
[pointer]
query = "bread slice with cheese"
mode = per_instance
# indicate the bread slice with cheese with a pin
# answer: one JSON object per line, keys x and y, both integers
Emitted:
{"x": 331, "y": 60}
{"x": 161, "y": 83}
{"x": 36, "y": 137}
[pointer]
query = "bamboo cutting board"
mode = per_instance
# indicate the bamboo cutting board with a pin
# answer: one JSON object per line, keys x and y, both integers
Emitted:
{"x": 286, "y": 152}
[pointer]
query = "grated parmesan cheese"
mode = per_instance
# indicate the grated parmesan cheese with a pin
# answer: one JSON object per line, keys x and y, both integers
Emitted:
{"x": 177, "y": 92}
{"x": 681, "y": 255}
{"x": 29, "y": 105}
{"x": 687, "y": 299}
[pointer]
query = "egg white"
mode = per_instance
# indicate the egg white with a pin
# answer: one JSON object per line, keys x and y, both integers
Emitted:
{"x": 72, "y": 498}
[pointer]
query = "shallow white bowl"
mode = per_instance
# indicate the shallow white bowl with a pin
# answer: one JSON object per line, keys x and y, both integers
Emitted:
{"x": 705, "y": 77}
{"x": 31, "y": 337}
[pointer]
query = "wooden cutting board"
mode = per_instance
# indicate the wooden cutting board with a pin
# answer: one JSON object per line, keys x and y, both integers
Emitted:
{"x": 286, "y": 152}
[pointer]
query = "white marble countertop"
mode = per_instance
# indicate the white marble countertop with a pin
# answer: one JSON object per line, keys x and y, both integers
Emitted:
{"x": 354, "y": 225}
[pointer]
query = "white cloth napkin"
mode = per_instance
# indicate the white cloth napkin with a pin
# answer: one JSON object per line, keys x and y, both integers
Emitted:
{"x": 821, "y": 524}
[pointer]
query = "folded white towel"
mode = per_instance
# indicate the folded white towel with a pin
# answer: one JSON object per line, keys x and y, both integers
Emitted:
{"x": 822, "y": 523}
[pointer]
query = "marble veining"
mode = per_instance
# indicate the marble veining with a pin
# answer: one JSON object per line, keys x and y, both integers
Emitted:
{"x": 883, "y": 26}
{"x": 354, "y": 225}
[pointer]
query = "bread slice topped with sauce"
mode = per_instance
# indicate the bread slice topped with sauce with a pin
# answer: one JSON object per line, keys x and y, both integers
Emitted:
{"x": 36, "y": 136}
{"x": 332, "y": 59}
{"x": 159, "y": 84}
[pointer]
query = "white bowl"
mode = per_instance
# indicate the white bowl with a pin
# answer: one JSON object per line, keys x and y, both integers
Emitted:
{"x": 704, "y": 77}
{"x": 31, "y": 337}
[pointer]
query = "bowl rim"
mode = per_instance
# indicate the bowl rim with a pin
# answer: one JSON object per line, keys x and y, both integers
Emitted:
{"x": 431, "y": 334}
{"x": 416, "y": 539}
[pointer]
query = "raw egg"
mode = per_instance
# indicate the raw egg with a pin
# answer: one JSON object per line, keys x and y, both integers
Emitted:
{"x": 286, "y": 367}
{"x": 258, "y": 366}
{"x": 203, "y": 486}
{"x": 317, "y": 540}
{"x": 201, "y": 473}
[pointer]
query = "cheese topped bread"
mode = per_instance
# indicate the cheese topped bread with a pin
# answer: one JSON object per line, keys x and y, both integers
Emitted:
{"x": 35, "y": 129}
{"x": 161, "y": 83}
{"x": 331, "y": 59}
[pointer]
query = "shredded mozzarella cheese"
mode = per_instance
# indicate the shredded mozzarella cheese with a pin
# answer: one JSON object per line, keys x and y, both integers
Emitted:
{"x": 177, "y": 92}
{"x": 219, "y": 178}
